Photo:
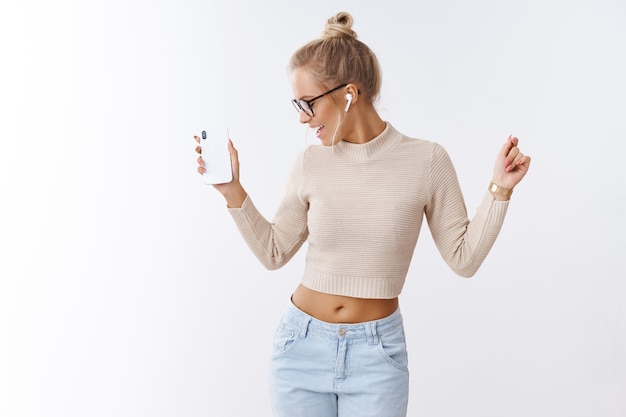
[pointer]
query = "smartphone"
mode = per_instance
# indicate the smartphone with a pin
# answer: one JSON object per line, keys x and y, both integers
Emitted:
{"x": 214, "y": 143}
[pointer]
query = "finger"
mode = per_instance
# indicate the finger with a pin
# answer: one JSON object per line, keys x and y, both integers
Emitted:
{"x": 200, "y": 161}
{"x": 519, "y": 160}
{"x": 509, "y": 150}
{"x": 201, "y": 170}
{"x": 524, "y": 160}
{"x": 234, "y": 155}
{"x": 504, "y": 150}
{"x": 197, "y": 138}
{"x": 513, "y": 160}
{"x": 234, "y": 159}
{"x": 510, "y": 157}
{"x": 511, "y": 141}
{"x": 231, "y": 147}
{"x": 199, "y": 149}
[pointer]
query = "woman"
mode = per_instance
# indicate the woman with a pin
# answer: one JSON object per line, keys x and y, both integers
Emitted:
{"x": 358, "y": 199}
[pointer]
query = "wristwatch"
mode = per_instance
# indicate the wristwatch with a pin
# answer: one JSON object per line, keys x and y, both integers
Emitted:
{"x": 496, "y": 189}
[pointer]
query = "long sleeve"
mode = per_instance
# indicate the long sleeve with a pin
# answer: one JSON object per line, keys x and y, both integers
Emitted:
{"x": 463, "y": 244}
{"x": 275, "y": 243}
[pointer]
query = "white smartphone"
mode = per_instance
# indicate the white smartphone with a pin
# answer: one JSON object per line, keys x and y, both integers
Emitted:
{"x": 214, "y": 143}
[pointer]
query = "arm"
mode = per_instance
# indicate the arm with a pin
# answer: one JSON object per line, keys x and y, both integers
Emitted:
{"x": 273, "y": 243}
{"x": 464, "y": 244}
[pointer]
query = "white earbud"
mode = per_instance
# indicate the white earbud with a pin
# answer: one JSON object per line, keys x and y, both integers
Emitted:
{"x": 349, "y": 98}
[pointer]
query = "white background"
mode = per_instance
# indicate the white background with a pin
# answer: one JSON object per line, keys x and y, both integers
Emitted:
{"x": 125, "y": 288}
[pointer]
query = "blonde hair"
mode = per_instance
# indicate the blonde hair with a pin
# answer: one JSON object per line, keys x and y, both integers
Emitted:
{"x": 338, "y": 57}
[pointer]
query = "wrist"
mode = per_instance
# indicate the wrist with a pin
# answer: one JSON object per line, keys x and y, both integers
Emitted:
{"x": 500, "y": 193}
{"x": 235, "y": 197}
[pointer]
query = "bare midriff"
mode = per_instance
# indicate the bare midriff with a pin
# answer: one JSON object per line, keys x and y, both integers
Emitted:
{"x": 340, "y": 309}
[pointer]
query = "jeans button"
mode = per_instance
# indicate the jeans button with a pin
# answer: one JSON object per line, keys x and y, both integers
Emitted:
{"x": 341, "y": 332}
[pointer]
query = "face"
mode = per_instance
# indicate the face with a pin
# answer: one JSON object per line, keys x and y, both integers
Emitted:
{"x": 326, "y": 113}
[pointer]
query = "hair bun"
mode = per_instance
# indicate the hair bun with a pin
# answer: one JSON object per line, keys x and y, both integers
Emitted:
{"x": 339, "y": 26}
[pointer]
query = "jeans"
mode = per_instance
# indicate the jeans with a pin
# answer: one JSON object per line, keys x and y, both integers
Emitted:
{"x": 321, "y": 369}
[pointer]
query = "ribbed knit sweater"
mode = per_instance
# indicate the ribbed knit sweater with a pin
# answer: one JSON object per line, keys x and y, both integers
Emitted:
{"x": 361, "y": 206}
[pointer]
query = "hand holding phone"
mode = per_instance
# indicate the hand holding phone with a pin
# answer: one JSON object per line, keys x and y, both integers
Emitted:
{"x": 214, "y": 145}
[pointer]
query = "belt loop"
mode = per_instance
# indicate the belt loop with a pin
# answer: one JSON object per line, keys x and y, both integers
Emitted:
{"x": 305, "y": 327}
{"x": 372, "y": 335}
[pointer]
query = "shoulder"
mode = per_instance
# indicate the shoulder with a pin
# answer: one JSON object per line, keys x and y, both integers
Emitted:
{"x": 423, "y": 146}
{"x": 427, "y": 154}
{"x": 313, "y": 151}
{"x": 314, "y": 155}
{"x": 311, "y": 155}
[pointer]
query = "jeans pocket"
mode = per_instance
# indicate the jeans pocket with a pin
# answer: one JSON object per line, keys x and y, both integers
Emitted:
{"x": 392, "y": 347}
{"x": 285, "y": 339}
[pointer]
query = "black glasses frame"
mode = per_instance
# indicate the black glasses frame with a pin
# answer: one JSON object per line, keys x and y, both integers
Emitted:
{"x": 307, "y": 105}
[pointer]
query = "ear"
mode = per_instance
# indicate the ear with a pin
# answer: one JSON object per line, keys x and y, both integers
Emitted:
{"x": 348, "y": 102}
{"x": 354, "y": 91}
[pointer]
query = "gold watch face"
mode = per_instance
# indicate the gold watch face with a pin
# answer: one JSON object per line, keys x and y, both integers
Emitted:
{"x": 495, "y": 188}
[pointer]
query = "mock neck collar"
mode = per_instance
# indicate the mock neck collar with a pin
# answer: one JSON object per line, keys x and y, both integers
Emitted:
{"x": 371, "y": 149}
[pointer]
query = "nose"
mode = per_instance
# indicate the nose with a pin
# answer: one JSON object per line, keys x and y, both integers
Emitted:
{"x": 304, "y": 118}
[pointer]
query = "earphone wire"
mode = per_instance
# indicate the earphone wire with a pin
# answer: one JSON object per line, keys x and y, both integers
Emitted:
{"x": 332, "y": 144}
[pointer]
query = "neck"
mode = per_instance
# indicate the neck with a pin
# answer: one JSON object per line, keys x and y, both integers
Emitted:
{"x": 362, "y": 126}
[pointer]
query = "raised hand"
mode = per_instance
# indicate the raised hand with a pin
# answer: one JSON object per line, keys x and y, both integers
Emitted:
{"x": 232, "y": 191}
{"x": 511, "y": 164}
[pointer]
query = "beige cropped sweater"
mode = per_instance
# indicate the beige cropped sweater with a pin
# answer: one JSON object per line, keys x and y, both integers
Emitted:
{"x": 360, "y": 208}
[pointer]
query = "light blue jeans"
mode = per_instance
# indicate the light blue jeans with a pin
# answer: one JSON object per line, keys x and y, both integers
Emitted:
{"x": 320, "y": 369}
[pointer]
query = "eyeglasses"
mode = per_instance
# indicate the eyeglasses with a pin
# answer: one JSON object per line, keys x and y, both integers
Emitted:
{"x": 307, "y": 105}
